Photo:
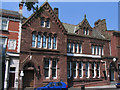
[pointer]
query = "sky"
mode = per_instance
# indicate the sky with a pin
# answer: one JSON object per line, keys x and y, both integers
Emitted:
{"x": 73, "y": 12}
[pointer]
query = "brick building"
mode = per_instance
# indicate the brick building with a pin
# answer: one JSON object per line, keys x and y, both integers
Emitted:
{"x": 10, "y": 33}
{"x": 55, "y": 51}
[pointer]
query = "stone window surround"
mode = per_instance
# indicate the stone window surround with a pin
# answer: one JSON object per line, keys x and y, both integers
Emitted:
{"x": 47, "y": 36}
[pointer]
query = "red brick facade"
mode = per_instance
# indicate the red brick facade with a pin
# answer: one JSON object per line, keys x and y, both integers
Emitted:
{"x": 39, "y": 61}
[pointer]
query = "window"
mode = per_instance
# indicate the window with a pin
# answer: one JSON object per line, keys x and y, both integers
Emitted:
{"x": 54, "y": 68}
{"x": 42, "y": 22}
{"x": 68, "y": 47}
{"x": 11, "y": 44}
{"x": 92, "y": 49}
{"x": 98, "y": 69}
{"x": 80, "y": 69}
{"x": 68, "y": 69}
{"x": 48, "y": 23}
{"x": 39, "y": 41}
{"x": 58, "y": 84}
{"x": 87, "y": 32}
{"x": 4, "y": 24}
{"x": 76, "y": 47}
{"x": 80, "y": 48}
{"x": 49, "y": 42}
{"x": 102, "y": 51}
{"x": 46, "y": 67}
{"x": 95, "y": 50}
{"x": 87, "y": 69}
{"x": 93, "y": 73}
{"x": 54, "y": 42}
{"x": 3, "y": 41}
{"x": 84, "y": 31}
{"x": 33, "y": 40}
{"x": 44, "y": 41}
{"x": 71, "y": 49}
{"x": 74, "y": 69}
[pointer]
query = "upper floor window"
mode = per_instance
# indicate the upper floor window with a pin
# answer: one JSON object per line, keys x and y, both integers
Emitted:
{"x": 87, "y": 69}
{"x": 68, "y": 47}
{"x": 49, "y": 42}
{"x": 44, "y": 41}
{"x": 48, "y": 23}
{"x": 85, "y": 31}
{"x": 80, "y": 48}
{"x": 34, "y": 39}
{"x": 4, "y": 24}
{"x": 3, "y": 41}
{"x": 72, "y": 46}
{"x": 76, "y": 47}
{"x": 54, "y": 42}
{"x": 97, "y": 50}
{"x": 39, "y": 41}
{"x": 42, "y": 22}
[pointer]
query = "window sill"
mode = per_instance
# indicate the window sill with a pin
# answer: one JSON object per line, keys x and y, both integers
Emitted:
{"x": 43, "y": 49}
{"x": 4, "y": 30}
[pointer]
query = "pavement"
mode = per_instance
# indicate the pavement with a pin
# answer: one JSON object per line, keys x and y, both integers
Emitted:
{"x": 106, "y": 87}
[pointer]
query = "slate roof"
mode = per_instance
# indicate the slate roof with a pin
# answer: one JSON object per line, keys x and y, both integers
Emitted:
{"x": 72, "y": 28}
{"x": 9, "y": 13}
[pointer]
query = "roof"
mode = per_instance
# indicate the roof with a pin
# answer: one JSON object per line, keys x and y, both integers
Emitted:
{"x": 72, "y": 28}
{"x": 9, "y": 13}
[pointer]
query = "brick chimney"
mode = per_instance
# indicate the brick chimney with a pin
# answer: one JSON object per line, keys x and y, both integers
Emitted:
{"x": 20, "y": 8}
{"x": 56, "y": 11}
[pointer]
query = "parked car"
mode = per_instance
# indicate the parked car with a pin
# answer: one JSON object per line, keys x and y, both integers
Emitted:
{"x": 54, "y": 86}
{"x": 118, "y": 85}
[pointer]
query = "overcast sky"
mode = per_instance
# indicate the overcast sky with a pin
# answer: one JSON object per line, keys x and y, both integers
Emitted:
{"x": 73, "y": 12}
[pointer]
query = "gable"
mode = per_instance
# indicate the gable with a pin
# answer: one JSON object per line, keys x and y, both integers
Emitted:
{"x": 43, "y": 8}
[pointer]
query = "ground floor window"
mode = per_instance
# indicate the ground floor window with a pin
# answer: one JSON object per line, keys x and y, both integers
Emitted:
{"x": 98, "y": 70}
{"x": 50, "y": 66}
{"x": 68, "y": 69}
{"x": 74, "y": 69}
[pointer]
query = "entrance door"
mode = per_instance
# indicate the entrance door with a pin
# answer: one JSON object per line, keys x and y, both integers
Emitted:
{"x": 28, "y": 79}
{"x": 11, "y": 80}
{"x": 112, "y": 75}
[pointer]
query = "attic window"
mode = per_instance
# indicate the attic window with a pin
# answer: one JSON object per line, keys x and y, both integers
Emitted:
{"x": 85, "y": 31}
{"x": 48, "y": 23}
{"x": 42, "y": 22}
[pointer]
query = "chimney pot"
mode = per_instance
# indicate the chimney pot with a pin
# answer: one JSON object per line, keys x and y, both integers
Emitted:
{"x": 20, "y": 8}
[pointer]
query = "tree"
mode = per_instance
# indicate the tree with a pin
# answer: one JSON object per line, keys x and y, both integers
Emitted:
{"x": 30, "y": 4}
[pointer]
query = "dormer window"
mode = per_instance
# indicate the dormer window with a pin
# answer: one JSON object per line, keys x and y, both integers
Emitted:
{"x": 48, "y": 23}
{"x": 85, "y": 31}
{"x": 42, "y": 22}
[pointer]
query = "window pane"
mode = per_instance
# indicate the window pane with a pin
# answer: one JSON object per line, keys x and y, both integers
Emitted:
{"x": 80, "y": 48}
{"x": 33, "y": 39}
{"x": 54, "y": 42}
{"x": 46, "y": 72}
{"x": 74, "y": 69}
{"x": 53, "y": 72}
{"x": 68, "y": 69}
{"x": 68, "y": 47}
{"x": 86, "y": 68}
{"x": 44, "y": 41}
{"x": 42, "y": 22}
{"x": 71, "y": 49}
{"x": 49, "y": 42}
{"x": 39, "y": 40}
{"x": 75, "y": 48}
{"x": 48, "y": 23}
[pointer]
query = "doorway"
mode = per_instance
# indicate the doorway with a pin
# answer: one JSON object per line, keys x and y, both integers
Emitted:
{"x": 111, "y": 72}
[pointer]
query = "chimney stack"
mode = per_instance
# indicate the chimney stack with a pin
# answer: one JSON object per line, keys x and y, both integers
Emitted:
{"x": 20, "y": 8}
{"x": 56, "y": 11}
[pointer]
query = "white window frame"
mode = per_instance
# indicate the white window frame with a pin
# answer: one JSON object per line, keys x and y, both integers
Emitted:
{"x": 6, "y": 25}
{"x": 9, "y": 43}
{"x": 56, "y": 70}
{"x": 70, "y": 69}
{"x": 88, "y": 70}
{"x": 40, "y": 41}
{"x": 49, "y": 72}
{"x": 49, "y": 23}
{"x": 102, "y": 50}
{"x": 94, "y": 70}
{"x": 75, "y": 70}
{"x": 51, "y": 42}
{"x": 99, "y": 70}
{"x": 45, "y": 42}
{"x": 92, "y": 47}
{"x": 43, "y": 21}
{"x": 81, "y": 69}
{"x": 79, "y": 48}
